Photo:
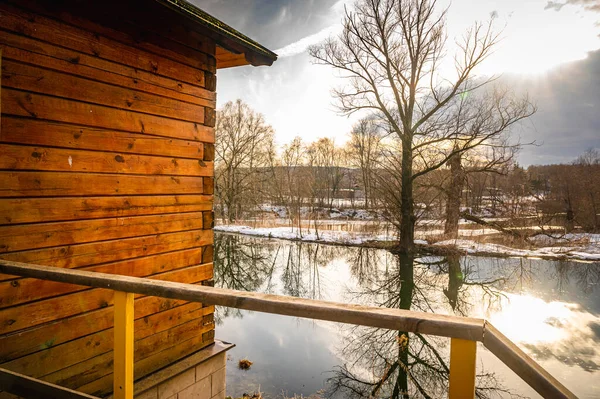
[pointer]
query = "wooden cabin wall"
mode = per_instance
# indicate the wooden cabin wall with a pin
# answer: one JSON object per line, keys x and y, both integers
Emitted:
{"x": 106, "y": 164}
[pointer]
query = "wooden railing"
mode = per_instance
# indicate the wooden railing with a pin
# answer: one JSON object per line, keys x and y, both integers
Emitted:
{"x": 464, "y": 332}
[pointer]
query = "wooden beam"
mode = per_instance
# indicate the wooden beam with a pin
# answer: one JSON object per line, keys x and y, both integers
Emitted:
{"x": 123, "y": 346}
{"x": 27, "y": 387}
{"x": 372, "y": 316}
{"x": 463, "y": 356}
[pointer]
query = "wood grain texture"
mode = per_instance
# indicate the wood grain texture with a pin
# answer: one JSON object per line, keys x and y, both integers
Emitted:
{"x": 107, "y": 145}
{"x": 38, "y": 52}
{"x": 37, "y": 210}
{"x": 36, "y": 26}
{"x": 62, "y": 356}
{"x": 396, "y": 319}
{"x": 168, "y": 352}
{"x": 39, "y": 106}
{"x": 41, "y": 80}
{"x": 25, "y": 386}
{"x": 25, "y": 316}
{"x": 52, "y": 184}
{"x": 19, "y": 291}
{"x": 115, "y": 24}
{"x": 56, "y": 333}
{"x": 51, "y": 134}
{"x": 16, "y": 157}
{"x": 95, "y": 253}
{"x": 92, "y": 369}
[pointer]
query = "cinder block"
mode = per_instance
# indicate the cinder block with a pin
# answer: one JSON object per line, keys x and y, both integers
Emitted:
{"x": 208, "y": 367}
{"x": 220, "y": 395}
{"x": 151, "y": 393}
{"x": 176, "y": 384}
{"x": 200, "y": 390}
{"x": 218, "y": 381}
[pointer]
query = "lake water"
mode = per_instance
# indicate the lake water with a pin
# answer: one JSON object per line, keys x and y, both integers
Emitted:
{"x": 550, "y": 309}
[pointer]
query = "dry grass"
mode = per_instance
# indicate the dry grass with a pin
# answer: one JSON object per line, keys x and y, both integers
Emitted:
{"x": 245, "y": 364}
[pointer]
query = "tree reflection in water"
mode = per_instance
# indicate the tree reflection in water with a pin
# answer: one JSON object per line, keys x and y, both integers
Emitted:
{"x": 241, "y": 264}
{"x": 395, "y": 364}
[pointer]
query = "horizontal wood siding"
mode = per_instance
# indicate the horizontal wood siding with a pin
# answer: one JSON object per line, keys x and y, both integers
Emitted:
{"x": 106, "y": 164}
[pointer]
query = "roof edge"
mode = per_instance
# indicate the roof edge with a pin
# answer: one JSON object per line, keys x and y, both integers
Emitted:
{"x": 206, "y": 20}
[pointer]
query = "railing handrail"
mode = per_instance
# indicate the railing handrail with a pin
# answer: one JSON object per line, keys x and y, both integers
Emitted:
{"x": 395, "y": 319}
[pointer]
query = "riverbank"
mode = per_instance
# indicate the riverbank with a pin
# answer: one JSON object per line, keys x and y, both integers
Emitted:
{"x": 584, "y": 247}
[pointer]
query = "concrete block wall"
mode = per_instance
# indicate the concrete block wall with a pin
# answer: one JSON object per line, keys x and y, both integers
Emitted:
{"x": 203, "y": 381}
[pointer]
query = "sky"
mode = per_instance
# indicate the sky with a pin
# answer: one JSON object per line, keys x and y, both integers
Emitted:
{"x": 549, "y": 49}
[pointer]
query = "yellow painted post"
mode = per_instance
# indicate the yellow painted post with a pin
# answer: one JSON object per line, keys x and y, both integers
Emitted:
{"x": 123, "y": 346}
{"x": 463, "y": 356}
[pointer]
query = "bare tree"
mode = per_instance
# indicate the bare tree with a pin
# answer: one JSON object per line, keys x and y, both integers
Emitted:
{"x": 326, "y": 160}
{"x": 293, "y": 191}
{"x": 243, "y": 148}
{"x": 390, "y": 52}
{"x": 364, "y": 152}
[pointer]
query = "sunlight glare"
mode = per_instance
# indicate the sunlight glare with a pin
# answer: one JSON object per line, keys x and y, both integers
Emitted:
{"x": 528, "y": 319}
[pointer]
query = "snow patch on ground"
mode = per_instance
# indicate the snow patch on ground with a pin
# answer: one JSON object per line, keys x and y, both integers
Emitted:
{"x": 587, "y": 252}
{"x": 581, "y": 246}
{"x": 288, "y": 233}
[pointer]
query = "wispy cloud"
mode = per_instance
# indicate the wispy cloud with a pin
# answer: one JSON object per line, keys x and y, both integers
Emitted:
{"x": 300, "y": 46}
{"x": 591, "y": 5}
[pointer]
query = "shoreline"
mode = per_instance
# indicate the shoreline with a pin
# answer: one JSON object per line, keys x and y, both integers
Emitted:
{"x": 441, "y": 248}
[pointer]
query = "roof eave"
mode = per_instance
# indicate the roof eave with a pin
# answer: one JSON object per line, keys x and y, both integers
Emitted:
{"x": 230, "y": 39}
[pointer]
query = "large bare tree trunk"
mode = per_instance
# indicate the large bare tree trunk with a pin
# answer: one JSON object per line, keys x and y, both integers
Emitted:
{"x": 454, "y": 192}
{"x": 407, "y": 208}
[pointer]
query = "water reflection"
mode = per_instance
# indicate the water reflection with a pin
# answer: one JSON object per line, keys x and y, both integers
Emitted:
{"x": 551, "y": 309}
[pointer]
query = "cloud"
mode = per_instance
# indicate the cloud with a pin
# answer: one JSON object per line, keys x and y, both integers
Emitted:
{"x": 302, "y": 45}
{"x": 274, "y": 23}
{"x": 567, "y": 123}
{"x": 590, "y": 5}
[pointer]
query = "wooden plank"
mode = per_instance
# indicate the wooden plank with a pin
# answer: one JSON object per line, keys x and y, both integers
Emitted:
{"x": 39, "y": 106}
{"x": 523, "y": 365}
{"x": 101, "y": 342}
{"x": 52, "y": 31}
{"x": 208, "y": 185}
{"x": 18, "y": 157}
{"x": 43, "y": 235}
{"x": 28, "y": 387}
{"x": 90, "y": 370}
{"x": 463, "y": 364}
{"x": 19, "y": 291}
{"x": 35, "y": 210}
{"x": 50, "y": 134}
{"x": 74, "y": 256}
{"x": 1, "y": 50}
{"x": 102, "y": 21}
{"x": 32, "y": 314}
{"x": 371, "y": 316}
{"x": 151, "y": 17}
{"x": 154, "y": 362}
{"x": 107, "y": 71}
{"x": 232, "y": 60}
{"x": 58, "y": 332}
{"x": 123, "y": 346}
{"x": 53, "y": 184}
{"x": 41, "y": 80}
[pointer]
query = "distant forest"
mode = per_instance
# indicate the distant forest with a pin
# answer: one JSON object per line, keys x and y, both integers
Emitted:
{"x": 308, "y": 180}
